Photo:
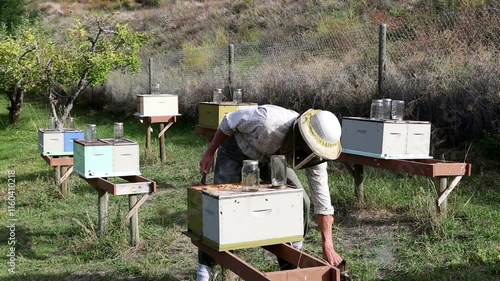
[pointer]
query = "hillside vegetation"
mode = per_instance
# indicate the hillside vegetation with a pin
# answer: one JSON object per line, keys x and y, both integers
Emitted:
{"x": 442, "y": 58}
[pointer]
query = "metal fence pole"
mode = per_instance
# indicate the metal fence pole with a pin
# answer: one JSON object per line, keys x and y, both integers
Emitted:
{"x": 381, "y": 58}
{"x": 230, "y": 70}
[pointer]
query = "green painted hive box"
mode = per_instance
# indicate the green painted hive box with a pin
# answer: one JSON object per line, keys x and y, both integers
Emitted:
{"x": 210, "y": 114}
{"x": 228, "y": 218}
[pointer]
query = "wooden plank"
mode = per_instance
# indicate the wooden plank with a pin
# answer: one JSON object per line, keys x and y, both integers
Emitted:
{"x": 132, "y": 188}
{"x": 294, "y": 256}
{"x": 101, "y": 184}
{"x": 137, "y": 178}
{"x": 232, "y": 262}
{"x": 319, "y": 273}
{"x": 55, "y": 161}
{"x": 425, "y": 167}
{"x": 156, "y": 119}
{"x": 136, "y": 185}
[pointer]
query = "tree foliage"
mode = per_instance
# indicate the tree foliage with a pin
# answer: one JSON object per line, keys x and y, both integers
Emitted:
{"x": 11, "y": 13}
{"x": 93, "y": 48}
{"x": 20, "y": 60}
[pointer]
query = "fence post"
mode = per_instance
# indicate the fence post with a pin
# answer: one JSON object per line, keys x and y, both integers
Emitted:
{"x": 150, "y": 75}
{"x": 230, "y": 70}
{"x": 381, "y": 58}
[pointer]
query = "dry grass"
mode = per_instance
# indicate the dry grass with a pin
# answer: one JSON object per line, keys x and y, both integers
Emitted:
{"x": 444, "y": 67}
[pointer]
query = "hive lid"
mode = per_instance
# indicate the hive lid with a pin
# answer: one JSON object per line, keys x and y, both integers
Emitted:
{"x": 227, "y": 191}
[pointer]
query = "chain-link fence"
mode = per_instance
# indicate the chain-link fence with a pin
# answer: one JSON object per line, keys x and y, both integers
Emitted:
{"x": 446, "y": 68}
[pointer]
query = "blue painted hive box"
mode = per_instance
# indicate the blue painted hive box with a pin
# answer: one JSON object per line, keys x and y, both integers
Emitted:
{"x": 57, "y": 142}
{"x": 106, "y": 158}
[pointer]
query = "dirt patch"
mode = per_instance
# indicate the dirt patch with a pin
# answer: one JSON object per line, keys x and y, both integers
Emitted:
{"x": 373, "y": 234}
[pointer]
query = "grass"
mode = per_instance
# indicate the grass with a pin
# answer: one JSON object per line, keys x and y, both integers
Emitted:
{"x": 394, "y": 236}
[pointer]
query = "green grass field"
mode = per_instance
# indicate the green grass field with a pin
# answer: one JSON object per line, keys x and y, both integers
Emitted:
{"x": 395, "y": 236}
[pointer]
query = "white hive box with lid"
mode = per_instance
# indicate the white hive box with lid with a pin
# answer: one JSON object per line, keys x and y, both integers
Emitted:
{"x": 57, "y": 142}
{"x": 227, "y": 218}
{"x": 386, "y": 139}
{"x": 158, "y": 105}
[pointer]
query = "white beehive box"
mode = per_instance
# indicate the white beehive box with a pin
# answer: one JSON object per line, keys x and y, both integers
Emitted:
{"x": 386, "y": 139}
{"x": 57, "y": 142}
{"x": 50, "y": 142}
{"x": 235, "y": 219}
{"x": 158, "y": 105}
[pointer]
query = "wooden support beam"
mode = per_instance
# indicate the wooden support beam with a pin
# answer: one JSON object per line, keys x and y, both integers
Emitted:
{"x": 441, "y": 184}
{"x": 148, "y": 140}
{"x": 309, "y": 267}
{"x": 148, "y": 121}
{"x": 161, "y": 137}
{"x": 66, "y": 173}
{"x": 136, "y": 206}
{"x": 63, "y": 181}
{"x": 136, "y": 184}
{"x": 444, "y": 195}
{"x": 358, "y": 183}
{"x": 103, "y": 198}
{"x": 164, "y": 128}
{"x": 134, "y": 221}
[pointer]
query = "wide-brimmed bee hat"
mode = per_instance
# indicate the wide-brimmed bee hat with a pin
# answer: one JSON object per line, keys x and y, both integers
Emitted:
{"x": 321, "y": 131}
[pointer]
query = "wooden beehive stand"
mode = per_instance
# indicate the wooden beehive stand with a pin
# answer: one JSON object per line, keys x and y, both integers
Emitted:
{"x": 63, "y": 167}
{"x": 164, "y": 122}
{"x": 440, "y": 171}
{"x": 134, "y": 186}
{"x": 308, "y": 266}
{"x": 221, "y": 234}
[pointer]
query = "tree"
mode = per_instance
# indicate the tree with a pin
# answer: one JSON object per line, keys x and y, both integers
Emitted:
{"x": 93, "y": 50}
{"x": 11, "y": 13}
{"x": 20, "y": 62}
{"x": 31, "y": 60}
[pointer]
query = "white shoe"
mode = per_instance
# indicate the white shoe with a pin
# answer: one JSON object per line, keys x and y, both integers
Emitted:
{"x": 298, "y": 245}
{"x": 203, "y": 273}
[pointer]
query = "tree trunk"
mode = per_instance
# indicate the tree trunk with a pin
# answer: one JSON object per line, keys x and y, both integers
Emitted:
{"x": 16, "y": 105}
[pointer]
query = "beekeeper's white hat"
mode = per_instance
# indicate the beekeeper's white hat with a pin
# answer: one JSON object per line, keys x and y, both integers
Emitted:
{"x": 321, "y": 130}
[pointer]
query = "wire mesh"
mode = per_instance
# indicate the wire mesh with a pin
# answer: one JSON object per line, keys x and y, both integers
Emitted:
{"x": 445, "y": 67}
